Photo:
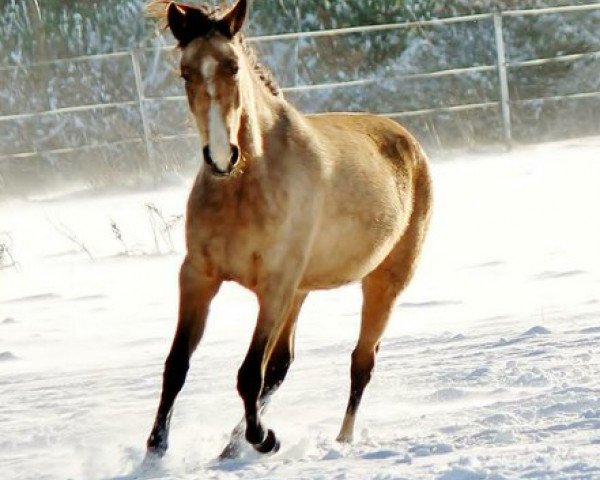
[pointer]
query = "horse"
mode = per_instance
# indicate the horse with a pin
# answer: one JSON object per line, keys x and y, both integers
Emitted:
{"x": 285, "y": 204}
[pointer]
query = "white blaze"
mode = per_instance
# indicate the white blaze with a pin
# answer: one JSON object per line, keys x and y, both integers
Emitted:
{"x": 220, "y": 150}
{"x": 218, "y": 139}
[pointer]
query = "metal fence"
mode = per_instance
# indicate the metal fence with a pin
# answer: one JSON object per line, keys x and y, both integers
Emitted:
{"x": 502, "y": 66}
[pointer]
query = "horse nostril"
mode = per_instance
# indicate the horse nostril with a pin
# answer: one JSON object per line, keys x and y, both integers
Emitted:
{"x": 207, "y": 158}
{"x": 235, "y": 155}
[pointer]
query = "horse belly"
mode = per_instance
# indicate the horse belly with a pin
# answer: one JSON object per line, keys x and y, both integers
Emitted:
{"x": 347, "y": 252}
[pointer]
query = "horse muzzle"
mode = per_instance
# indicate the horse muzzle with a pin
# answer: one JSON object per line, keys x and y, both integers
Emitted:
{"x": 215, "y": 170}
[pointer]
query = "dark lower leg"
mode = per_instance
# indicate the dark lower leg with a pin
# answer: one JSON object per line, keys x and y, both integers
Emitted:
{"x": 196, "y": 293}
{"x": 379, "y": 292}
{"x": 363, "y": 362}
{"x": 277, "y": 369}
{"x": 276, "y": 309}
{"x": 250, "y": 386}
{"x": 250, "y": 383}
{"x": 283, "y": 353}
{"x": 176, "y": 367}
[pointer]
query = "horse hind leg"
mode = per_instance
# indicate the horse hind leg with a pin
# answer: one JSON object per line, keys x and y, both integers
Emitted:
{"x": 283, "y": 353}
{"x": 277, "y": 368}
{"x": 380, "y": 290}
{"x": 378, "y": 301}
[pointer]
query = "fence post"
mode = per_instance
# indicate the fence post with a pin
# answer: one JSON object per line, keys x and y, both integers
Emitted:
{"x": 137, "y": 72}
{"x": 298, "y": 14}
{"x": 503, "y": 77}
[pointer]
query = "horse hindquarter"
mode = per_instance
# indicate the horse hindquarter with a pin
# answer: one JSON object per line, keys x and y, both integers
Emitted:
{"x": 368, "y": 198}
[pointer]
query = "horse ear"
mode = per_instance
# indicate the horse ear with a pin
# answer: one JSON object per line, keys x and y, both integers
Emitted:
{"x": 187, "y": 23}
{"x": 233, "y": 21}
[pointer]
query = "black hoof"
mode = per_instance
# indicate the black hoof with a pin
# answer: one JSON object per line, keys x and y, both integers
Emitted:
{"x": 155, "y": 453}
{"x": 269, "y": 444}
{"x": 255, "y": 435}
{"x": 157, "y": 446}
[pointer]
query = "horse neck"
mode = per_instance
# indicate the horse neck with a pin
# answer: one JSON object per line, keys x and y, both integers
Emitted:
{"x": 261, "y": 117}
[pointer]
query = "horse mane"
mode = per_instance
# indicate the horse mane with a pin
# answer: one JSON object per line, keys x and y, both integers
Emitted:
{"x": 158, "y": 9}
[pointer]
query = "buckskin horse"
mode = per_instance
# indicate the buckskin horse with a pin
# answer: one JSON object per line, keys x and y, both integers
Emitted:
{"x": 287, "y": 203}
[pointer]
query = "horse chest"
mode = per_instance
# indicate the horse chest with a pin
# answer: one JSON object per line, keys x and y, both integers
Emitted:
{"x": 230, "y": 240}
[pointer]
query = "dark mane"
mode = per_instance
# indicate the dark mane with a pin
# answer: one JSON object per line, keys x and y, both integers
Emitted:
{"x": 158, "y": 9}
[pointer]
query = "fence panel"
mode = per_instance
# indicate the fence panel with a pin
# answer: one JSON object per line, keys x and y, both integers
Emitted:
{"x": 131, "y": 104}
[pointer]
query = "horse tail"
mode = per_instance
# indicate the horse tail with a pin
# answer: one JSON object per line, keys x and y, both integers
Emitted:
{"x": 422, "y": 196}
{"x": 416, "y": 162}
{"x": 410, "y": 150}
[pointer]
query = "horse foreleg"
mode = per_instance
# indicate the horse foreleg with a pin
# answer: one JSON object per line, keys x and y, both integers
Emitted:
{"x": 276, "y": 371}
{"x": 196, "y": 293}
{"x": 274, "y": 308}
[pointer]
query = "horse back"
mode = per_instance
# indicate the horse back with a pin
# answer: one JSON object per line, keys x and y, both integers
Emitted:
{"x": 352, "y": 135}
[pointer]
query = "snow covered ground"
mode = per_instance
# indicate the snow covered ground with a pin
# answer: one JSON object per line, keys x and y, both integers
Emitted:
{"x": 490, "y": 368}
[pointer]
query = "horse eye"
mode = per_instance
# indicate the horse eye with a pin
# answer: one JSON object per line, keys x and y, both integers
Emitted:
{"x": 185, "y": 75}
{"x": 233, "y": 68}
